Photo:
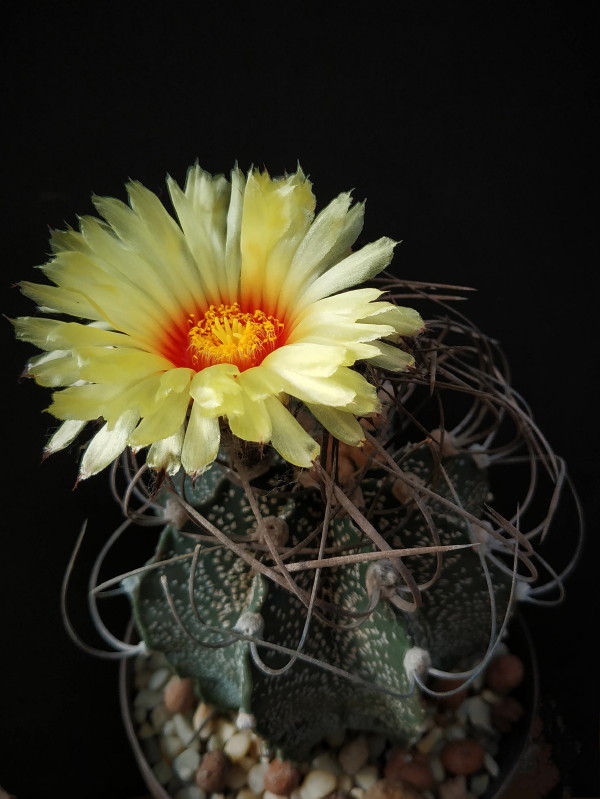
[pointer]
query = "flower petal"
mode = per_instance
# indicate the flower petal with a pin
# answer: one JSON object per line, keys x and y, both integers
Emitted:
{"x": 201, "y": 443}
{"x": 166, "y": 453}
{"x": 340, "y": 424}
{"x": 107, "y": 445}
{"x": 356, "y": 268}
{"x": 392, "y": 358}
{"x": 288, "y": 437}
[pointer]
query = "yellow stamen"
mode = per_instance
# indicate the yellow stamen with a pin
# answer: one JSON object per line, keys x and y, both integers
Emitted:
{"x": 229, "y": 335}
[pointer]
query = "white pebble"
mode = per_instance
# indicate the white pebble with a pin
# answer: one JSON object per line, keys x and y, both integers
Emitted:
{"x": 186, "y": 763}
{"x": 236, "y": 747}
{"x": 256, "y": 777}
{"x": 214, "y": 742}
{"x": 225, "y": 729}
{"x": 317, "y": 784}
{"x": 139, "y": 714}
{"x": 171, "y": 746}
{"x": 478, "y": 712}
{"x": 182, "y": 728}
{"x": 147, "y": 699}
{"x": 190, "y": 792}
{"x": 344, "y": 783}
{"x": 158, "y": 679}
{"x": 201, "y": 713}
{"x": 491, "y": 765}
{"x": 271, "y": 795}
{"x": 357, "y": 793}
{"x": 366, "y": 777}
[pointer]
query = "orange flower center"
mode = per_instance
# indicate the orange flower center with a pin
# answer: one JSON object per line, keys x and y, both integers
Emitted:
{"x": 226, "y": 334}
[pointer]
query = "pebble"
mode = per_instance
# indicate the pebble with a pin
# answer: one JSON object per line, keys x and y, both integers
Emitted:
{"x": 504, "y": 673}
{"x": 464, "y": 756}
{"x": 281, "y": 777}
{"x": 505, "y": 713}
{"x": 186, "y": 763}
{"x": 366, "y": 776}
{"x": 237, "y": 746}
{"x": 354, "y": 755}
{"x": 183, "y": 728}
{"x": 158, "y": 678}
{"x": 212, "y": 771}
{"x": 179, "y": 694}
{"x": 317, "y": 784}
{"x": 256, "y": 777}
{"x": 453, "y": 759}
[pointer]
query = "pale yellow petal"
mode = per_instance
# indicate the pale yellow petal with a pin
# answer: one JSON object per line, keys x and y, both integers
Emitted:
{"x": 260, "y": 382}
{"x": 314, "y": 360}
{"x": 391, "y": 358}
{"x": 356, "y": 268}
{"x": 163, "y": 422}
{"x": 118, "y": 365}
{"x": 85, "y": 402}
{"x": 405, "y": 321}
{"x": 201, "y": 443}
{"x": 275, "y": 217}
{"x": 216, "y": 389}
{"x": 176, "y": 380}
{"x": 344, "y": 426}
{"x": 288, "y": 437}
{"x": 65, "y": 435}
{"x": 107, "y": 445}
{"x": 253, "y": 423}
{"x": 60, "y": 370}
{"x": 166, "y": 453}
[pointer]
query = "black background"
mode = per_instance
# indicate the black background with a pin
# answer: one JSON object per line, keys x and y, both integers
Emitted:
{"x": 472, "y": 131}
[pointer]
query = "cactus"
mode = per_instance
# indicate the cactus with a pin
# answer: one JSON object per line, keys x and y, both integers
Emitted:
{"x": 295, "y": 709}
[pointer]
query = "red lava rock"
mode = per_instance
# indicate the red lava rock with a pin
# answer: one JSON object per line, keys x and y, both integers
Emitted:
{"x": 447, "y": 684}
{"x": 464, "y": 756}
{"x": 505, "y": 713}
{"x": 179, "y": 694}
{"x": 504, "y": 673}
{"x": 281, "y": 777}
{"x": 212, "y": 771}
{"x": 408, "y": 766}
{"x": 388, "y": 789}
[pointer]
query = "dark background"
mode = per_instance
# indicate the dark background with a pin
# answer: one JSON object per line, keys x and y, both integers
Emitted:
{"x": 472, "y": 129}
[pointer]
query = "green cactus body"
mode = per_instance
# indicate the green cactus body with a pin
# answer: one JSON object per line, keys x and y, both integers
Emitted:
{"x": 294, "y": 710}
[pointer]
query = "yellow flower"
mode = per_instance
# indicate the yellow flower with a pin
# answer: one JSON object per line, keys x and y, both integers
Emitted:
{"x": 226, "y": 315}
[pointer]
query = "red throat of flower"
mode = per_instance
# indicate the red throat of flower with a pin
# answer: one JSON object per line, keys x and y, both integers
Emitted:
{"x": 225, "y": 334}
